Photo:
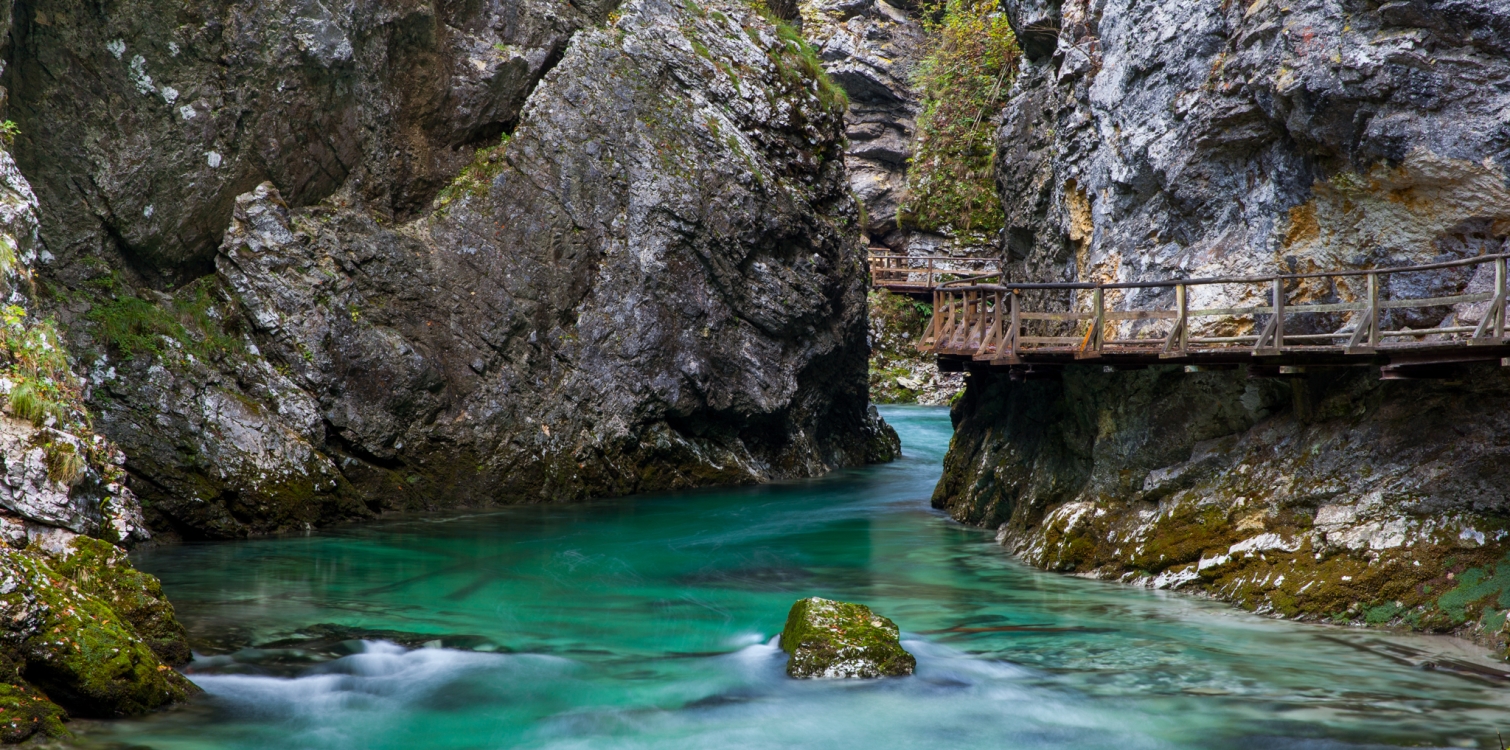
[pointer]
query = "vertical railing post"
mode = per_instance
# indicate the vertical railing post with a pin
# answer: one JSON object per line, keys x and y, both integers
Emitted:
{"x": 1373, "y": 310}
{"x": 1016, "y": 334}
{"x": 1279, "y": 313}
{"x": 1365, "y": 336}
{"x": 1503, "y": 295}
{"x": 1179, "y": 338}
{"x": 1491, "y": 328}
{"x": 1100, "y": 335}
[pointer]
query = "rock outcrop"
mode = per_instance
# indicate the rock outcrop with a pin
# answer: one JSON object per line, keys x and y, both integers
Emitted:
{"x": 1179, "y": 141}
{"x": 870, "y": 49}
{"x": 839, "y": 640}
{"x": 899, "y": 373}
{"x": 81, "y": 632}
{"x": 601, "y": 254}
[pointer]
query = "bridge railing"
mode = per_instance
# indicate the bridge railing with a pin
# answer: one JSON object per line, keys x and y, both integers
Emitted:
{"x": 924, "y": 272}
{"x": 1452, "y": 303}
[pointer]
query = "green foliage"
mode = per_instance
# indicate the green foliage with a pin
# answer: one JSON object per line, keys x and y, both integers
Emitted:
{"x": 42, "y": 386}
{"x": 65, "y": 463}
{"x": 8, "y": 131}
{"x": 476, "y": 178}
{"x": 964, "y": 79}
{"x": 134, "y": 326}
{"x": 797, "y": 62}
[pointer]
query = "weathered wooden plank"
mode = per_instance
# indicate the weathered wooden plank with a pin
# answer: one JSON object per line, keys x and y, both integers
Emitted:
{"x": 1057, "y": 316}
{"x": 1048, "y": 339}
{"x": 1141, "y": 314}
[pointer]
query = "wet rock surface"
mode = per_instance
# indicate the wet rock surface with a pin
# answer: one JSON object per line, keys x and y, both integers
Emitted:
{"x": 1182, "y": 141}
{"x": 1337, "y": 498}
{"x": 82, "y": 633}
{"x": 839, "y": 640}
{"x": 619, "y": 263}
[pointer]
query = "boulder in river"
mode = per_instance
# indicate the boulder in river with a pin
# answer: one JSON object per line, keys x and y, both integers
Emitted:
{"x": 833, "y": 639}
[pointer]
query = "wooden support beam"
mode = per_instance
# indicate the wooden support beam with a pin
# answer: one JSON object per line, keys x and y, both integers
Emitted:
{"x": 1179, "y": 336}
{"x": 1491, "y": 328}
{"x": 1366, "y": 335}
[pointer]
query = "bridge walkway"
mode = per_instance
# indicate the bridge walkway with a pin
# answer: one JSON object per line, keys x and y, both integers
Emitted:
{"x": 1277, "y": 325}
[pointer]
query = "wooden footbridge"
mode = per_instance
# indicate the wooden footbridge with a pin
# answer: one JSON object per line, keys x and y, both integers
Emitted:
{"x": 1414, "y": 322}
{"x": 919, "y": 275}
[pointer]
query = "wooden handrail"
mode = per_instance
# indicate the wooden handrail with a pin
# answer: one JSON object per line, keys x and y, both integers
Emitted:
{"x": 970, "y": 317}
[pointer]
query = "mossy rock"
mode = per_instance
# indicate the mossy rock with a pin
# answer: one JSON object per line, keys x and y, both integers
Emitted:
{"x": 102, "y": 570}
{"x": 832, "y": 639}
{"x": 81, "y": 653}
{"x": 25, "y": 711}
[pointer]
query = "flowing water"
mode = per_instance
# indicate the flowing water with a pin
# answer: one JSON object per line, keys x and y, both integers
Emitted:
{"x": 649, "y": 622}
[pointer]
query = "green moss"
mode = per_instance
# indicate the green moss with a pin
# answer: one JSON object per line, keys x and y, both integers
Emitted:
{"x": 1477, "y": 588}
{"x": 134, "y": 326}
{"x": 824, "y": 636}
{"x": 476, "y": 178}
{"x": 964, "y": 79}
{"x": 25, "y": 712}
{"x": 102, "y": 570}
{"x": 84, "y": 656}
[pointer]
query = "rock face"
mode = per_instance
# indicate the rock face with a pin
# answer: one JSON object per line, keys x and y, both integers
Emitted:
{"x": 81, "y": 632}
{"x": 829, "y": 639}
{"x": 1188, "y": 140}
{"x": 619, "y": 263}
{"x": 870, "y": 49}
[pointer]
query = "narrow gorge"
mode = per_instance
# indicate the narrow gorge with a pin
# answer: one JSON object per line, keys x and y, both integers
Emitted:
{"x": 463, "y": 373}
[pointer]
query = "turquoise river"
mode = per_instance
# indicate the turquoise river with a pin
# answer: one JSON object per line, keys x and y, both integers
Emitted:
{"x": 649, "y": 622}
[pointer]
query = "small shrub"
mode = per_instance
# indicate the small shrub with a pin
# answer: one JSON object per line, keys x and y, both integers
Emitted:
{"x": 65, "y": 463}
{"x": 476, "y": 178}
{"x": 8, "y": 132}
{"x": 964, "y": 79}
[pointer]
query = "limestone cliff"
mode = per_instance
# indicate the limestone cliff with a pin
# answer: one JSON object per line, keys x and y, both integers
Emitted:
{"x": 1186, "y": 140}
{"x": 83, "y": 633}
{"x": 323, "y": 260}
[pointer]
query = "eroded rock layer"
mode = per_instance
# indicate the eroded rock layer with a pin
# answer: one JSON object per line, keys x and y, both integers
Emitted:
{"x": 1192, "y": 140}
{"x": 82, "y": 633}
{"x": 461, "y": 254}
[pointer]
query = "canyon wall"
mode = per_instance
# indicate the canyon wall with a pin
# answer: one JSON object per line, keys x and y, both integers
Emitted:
{"x": 320, "y": 260}
{"x": 273, "y": 265}
{"x": 1180, "y": 140}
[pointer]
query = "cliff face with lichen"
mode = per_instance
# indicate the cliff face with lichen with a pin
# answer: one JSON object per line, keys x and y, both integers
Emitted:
{"x": 1197, "y": 140}
{"x": 279, "y": 264}
{"x": 84, "y": 634}
{"x": 321, "y": 261}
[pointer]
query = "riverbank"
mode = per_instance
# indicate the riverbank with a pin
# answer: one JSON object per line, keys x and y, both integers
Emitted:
{"x": 647, "y": 622}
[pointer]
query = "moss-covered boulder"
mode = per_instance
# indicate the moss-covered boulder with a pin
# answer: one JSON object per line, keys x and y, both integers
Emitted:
{"x": 75, "y": 648}
{"x": 842, "y": 640}
{"x": 102, "y": 570}
{"x": 24, "y": 711}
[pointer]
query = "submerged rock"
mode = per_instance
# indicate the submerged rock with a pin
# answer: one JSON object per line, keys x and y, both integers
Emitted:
{"x": 830, "y": 639}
